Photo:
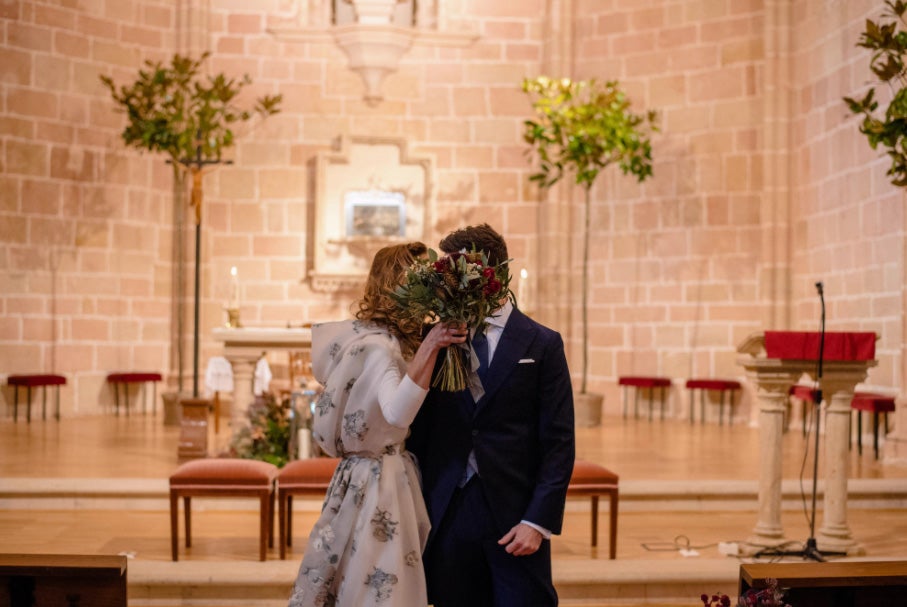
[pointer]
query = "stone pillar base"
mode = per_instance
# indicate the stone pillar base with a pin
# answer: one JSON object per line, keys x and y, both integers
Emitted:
{"x": 895, "y": 450}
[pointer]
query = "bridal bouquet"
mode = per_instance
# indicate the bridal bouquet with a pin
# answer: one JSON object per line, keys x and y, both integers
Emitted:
{"x": 460, "y": 287}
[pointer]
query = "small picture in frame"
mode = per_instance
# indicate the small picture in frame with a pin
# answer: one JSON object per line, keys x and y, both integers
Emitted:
{"x": 375, "y": 213}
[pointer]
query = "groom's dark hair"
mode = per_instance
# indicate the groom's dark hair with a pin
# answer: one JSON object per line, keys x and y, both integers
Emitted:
{"x": 481, "y": 238}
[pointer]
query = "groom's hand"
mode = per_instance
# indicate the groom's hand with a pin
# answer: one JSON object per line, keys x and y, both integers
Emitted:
{"x": 521, "y": 540}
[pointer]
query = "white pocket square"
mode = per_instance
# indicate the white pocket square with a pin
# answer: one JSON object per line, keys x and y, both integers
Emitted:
{"x": 524, "y": 361}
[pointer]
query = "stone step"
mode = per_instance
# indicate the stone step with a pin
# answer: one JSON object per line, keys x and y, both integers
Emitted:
{"x": 635, "y": 496}
{"x": 579, "y": 582}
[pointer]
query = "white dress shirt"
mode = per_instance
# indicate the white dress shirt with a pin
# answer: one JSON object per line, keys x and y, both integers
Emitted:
{"x": 494, "y": 329}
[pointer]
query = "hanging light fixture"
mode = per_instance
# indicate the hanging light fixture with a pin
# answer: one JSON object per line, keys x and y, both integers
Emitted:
{"x": 373, "y": 44}
{"x": 373, "y": 34}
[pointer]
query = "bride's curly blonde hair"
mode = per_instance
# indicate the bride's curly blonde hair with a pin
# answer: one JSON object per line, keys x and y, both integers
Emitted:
{"x": 376, "y": 306}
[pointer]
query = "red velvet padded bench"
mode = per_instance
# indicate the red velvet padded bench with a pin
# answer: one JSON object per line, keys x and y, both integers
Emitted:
{"x": 592, "y": 480}
{"x": 223, "y": 477}
{"x": 311, "y": 477}
{"x": 639, "y": 383}
{"x": 33, "y": 381}
{"x": 805, "y": 394}
{"x": 305, "y": 477}
{"x": 124, "y": 379}
{"x": 875, "y": 404}
{"x": 718, "y": 385}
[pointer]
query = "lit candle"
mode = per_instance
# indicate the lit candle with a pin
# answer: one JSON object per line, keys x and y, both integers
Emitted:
{"x": 234, "y": 290}
{"x": 304, "y": 441}
{"x": 522, "y": 292}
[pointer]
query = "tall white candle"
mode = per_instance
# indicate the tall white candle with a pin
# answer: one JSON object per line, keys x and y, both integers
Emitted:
{"x": 233, "y": 302}
{"x": 522, "y": 291}
{"x": 304, "y": 442}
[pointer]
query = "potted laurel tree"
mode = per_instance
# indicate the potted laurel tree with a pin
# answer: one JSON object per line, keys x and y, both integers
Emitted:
{"x": 176, "y": 110}
{"x": 887, "y": 40}
{"x": 582, "y": 127}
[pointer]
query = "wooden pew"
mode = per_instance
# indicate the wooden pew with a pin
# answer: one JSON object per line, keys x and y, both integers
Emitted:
{"x": 72, "y": 580}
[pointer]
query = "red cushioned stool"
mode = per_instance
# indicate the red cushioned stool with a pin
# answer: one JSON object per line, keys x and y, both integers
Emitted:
{"x": 309, "y": 477}
{"x": 806, "y": 395}
{"x": 125, "y": 379}
{"x": 223, "y": 477}
{"x": 875, "y": 404}
{"x": 592, "y": 480}
{"x": 721, "y": 386}
{"x": 641, "y": 383}
{"x": 33, "y": 381}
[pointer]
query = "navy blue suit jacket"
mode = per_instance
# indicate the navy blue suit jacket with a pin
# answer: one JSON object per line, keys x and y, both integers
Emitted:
{"x": 522, "y": 431}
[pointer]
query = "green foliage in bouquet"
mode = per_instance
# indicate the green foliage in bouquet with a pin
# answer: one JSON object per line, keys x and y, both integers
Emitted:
{"x": 267, "y": 435}
{"x": 887, "y": 40}
{"x": 460, "y": 287}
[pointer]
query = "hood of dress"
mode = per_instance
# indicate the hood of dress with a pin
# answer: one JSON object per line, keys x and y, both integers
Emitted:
{"x": 332, "y": 340}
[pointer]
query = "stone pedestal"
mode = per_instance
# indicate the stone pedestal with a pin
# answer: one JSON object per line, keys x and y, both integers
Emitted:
{"x": 772, "y": 379}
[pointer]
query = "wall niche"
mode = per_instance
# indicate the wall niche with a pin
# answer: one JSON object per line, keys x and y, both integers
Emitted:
{"x": 370, "y": 192}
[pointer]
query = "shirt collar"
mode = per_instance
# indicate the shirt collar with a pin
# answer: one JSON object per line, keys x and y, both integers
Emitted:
{"x": 501, "y": 315}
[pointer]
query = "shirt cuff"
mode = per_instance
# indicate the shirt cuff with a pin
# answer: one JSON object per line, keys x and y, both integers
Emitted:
{"x": 545, "y": 533}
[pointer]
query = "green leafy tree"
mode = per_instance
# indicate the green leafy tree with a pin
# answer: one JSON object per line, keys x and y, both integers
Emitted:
{"x": 887, "y": 40}
{"x": 176, "y": 110}
{"x": 582, "y": 127}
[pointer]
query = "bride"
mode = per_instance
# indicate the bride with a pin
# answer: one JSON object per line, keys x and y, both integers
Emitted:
{"x": 366, "y": 547}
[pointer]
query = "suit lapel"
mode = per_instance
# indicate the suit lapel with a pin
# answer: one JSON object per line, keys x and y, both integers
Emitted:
{"x": 515, "y": 341}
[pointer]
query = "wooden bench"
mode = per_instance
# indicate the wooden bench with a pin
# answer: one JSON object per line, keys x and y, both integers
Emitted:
{"x": 94, "y": 580}
{"x": 722, "y": 386}
{"x": 311, "y": 477}
{"x": 875, "y": 404}
{"x": 223, "y": 477}
{"x": 594, "y": 481}
{"x": 133, "y": 377}
{"x": 841, "y": 584}
{"x": 643, "y": 383}
{"x": 303, "y": 477}
{"x": 34, "y": 381}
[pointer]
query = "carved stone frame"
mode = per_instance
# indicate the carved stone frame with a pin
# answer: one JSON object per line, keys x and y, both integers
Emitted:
{"x": 339, "y": 261}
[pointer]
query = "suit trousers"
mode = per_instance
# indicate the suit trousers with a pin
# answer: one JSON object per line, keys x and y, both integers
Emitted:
{"x": 465, "y": 566}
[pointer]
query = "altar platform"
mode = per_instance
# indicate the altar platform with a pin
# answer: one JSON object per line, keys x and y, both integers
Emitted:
{"x": 98, "y": 486}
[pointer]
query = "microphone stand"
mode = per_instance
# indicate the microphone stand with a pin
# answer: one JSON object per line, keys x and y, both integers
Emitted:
{"x": 811, "y": 550}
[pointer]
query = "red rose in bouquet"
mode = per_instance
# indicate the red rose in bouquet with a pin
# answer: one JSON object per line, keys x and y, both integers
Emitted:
{"x": 460, "y": 287}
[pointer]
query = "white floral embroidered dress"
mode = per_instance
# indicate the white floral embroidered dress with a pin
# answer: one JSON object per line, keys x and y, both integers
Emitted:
{"x": 366, "y": 547}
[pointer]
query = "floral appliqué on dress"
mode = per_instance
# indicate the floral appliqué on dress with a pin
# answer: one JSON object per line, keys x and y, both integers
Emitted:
{"x": 382, "y": 582}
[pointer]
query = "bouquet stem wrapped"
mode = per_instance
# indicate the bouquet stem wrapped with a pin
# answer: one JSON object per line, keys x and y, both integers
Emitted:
{"x": 453, "y": 375}
{"x": 462, "y": 288}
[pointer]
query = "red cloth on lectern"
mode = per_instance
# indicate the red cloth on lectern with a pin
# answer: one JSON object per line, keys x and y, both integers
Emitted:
{"x": 804, "y": 345}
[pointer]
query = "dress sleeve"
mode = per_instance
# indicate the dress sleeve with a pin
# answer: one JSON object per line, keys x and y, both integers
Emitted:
{"x": 399, "y": 397}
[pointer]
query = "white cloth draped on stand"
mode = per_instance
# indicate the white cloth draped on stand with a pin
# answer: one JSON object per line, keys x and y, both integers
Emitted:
{"x": 261, "y": 381}
{"x": 218, "y": 376}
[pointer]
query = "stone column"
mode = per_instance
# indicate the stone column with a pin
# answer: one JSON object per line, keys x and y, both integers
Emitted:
{"x": 837, "y": 388}
{"x": 772, "y": 385}
{"x": 243, "y": 371}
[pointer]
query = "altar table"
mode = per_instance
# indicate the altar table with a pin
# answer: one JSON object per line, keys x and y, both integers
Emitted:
{"x": 244, "y": 346}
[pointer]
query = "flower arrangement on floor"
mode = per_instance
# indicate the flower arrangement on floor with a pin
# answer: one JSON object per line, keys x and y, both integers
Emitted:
{"x": 460, "y": 287}
{"x": 267, "y": 435}
{"x": 770, "y": 596}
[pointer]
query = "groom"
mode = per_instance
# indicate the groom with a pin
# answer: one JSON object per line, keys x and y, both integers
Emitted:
{"x": 495, "y": 472}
